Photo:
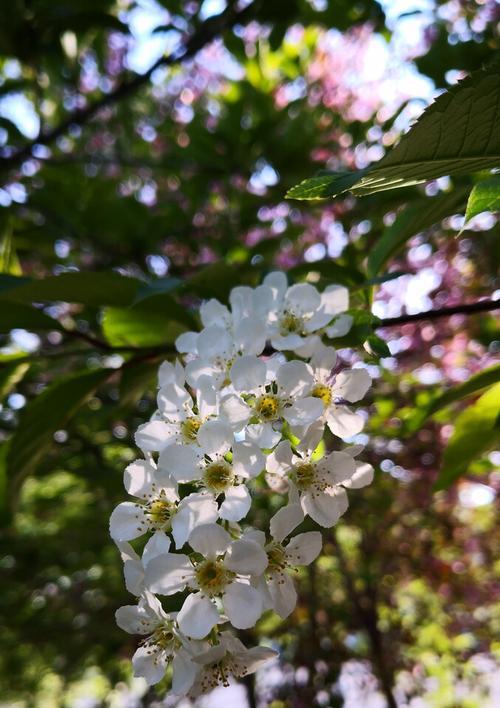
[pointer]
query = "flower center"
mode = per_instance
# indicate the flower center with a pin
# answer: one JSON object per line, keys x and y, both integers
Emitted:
{"x": 163, "y": 637}
{"x": 159, "y": 511}
{"x": 290, "y": 324}
{"x": 303, "y": 475}
{"x": 323, "y": 392}
{"x": 189, "y": 429}
{"x": 267, "y": 407}
{"x": 212, "y": 576}
{"x": 218, "y": 476}
{"x": 276, "y": 556}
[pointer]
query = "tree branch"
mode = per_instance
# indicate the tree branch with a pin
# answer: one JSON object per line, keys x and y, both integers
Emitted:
{"x": 463, "y": 309}
{"x": 208, "y": 31}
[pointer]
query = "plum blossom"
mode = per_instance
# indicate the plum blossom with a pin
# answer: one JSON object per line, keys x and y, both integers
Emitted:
{"x": 219, "y": 574}
{"x": 276, "y": 584}
{"x": 231, "y": 418}
{"x": 295, "y": 313}
{"x": 335, "y": 390}
{"x": 163, "y": 644}
{"x": 229, "y": 658}
{"x": 158, "y": 507}
{"x": 269, "y": 393}
{"x": 319, "y": 483}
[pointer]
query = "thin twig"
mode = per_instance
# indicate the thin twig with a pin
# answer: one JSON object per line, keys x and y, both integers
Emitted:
{"x": 208, "y": 31}
{"x": 462, "y": 309}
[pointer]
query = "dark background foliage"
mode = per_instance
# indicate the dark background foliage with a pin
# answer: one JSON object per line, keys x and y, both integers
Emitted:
{"x": 146, "y": 192}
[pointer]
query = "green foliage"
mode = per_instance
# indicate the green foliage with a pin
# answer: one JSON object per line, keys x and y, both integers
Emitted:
{"x": 416, "y": 217}
{"x": 485, "y": 196}
{"x": 476, "y": 431}
{"x": 47, "y": 414}
{"x": 459, "y": 133}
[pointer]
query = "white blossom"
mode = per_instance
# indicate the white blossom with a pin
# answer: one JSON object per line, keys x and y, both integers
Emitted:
{"x": 219, "y": 574}
{"x": 163, "y": 644}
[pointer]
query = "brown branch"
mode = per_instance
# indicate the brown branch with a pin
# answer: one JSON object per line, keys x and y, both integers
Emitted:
{"x": 462, "y": 309}
{"x": 208, "y": 31}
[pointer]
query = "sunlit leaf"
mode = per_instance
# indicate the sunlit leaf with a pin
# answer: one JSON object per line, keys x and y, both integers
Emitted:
{"x": 485, "y": 196}
{"x": 477, "y": 429}
{"x": 459, "y": 133}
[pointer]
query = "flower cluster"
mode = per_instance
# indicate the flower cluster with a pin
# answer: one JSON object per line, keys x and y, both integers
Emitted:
{"x": 250, "y": 406}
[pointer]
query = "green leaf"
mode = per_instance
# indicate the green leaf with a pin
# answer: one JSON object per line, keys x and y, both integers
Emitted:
{"x": 48, "y": 412}
{"x": 10, "y": 376}
{"x": 477, "y": 382}
{"x": 332, "y": 271}
{"x": 214, "y": 280}
{"x": 485, "y": 196}
{"x": 157, "y": 287}
{"x": 139, "y": 328}
{"x": 412, "y": 220}
{"x": 326, "y": 185}
{"x": 136, "y": 380}
{"x": 459, "y": 133}
{"x": 476, "y": 431}
{"x": 376, "y": 346}
{"x": 9, "y": 262}
{"x": 93, "y": 289}
{"x": 15, "y": 315}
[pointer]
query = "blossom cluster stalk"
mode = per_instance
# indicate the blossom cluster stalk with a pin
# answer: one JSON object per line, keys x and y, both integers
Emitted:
{"x": 232, "y": 419}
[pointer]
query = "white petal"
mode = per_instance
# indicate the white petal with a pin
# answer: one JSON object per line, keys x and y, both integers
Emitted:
{"x": 283, "y": 594}
{"x": 198, "y": 369}
{"x": 215, "y": 437}
{"x": 235, "y": 411}
{"x": 210, "y": 540}
{"x": 343, "y": 422}
{"x": 215, "y": 341}
{"x": 127, "y": 522}
{"x": 287, "y": 342}
{"x": 340, "y": 326}
{"x": 181, "y": 461}
{"x": 352, "y": 385}
{"x": 304, "y": 548}
{"x": 263, "y": 435}
{"x": 154, "y": 436}
{"x": 250, "y": 335}
{"x": 323, "y": 361}
{"x": 280, "y": 461}
{"x": 276, "y": 281}
{"x": 174, "y": 401}
{"x": 158, "y": 543}
{"x": 304, "y": 411}
{"x": 339, "y": 467}
{"x": 248, "y": 373}
{"x": 236, "y": 504}
{"x": 302, "y": 298}
{"x": 256, "y": 657}
{"x": 248, "y": 460}
{"x": 195, "y": 509}
{"x": 325, "y": 509}
{"x": 213, "y": 312}
{"x": 294, "y": 379}
{"x": 184, "y": 672}
{"x": 308, "y": 346}
{"x": 133, "y": 573}
{"x": 150, "y": 666}
{"x": 133, "y": 619}
{"x": 243, "y": 605}
{"x": 335, "y": 299}
{"x": 169, "y": 573}
{"x": 197, "y": 616}
{"x": 138, "y": 478}
{"x": 285, "y": 521}
{"x": 172, "y": 373}
{"x": 362, "y": 476}
{"x": 246, "y": 557}
{"x": 186, "y": 343}
{"x": 241, "y": 298}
